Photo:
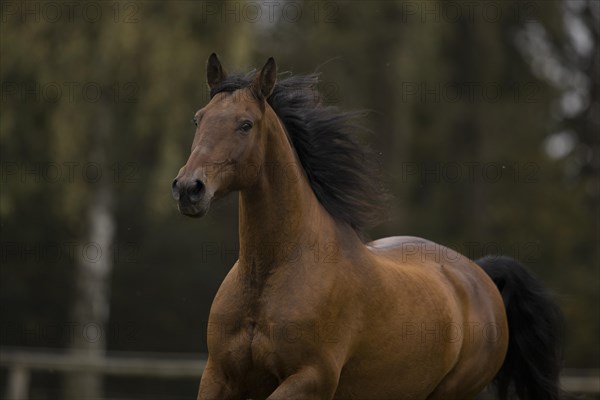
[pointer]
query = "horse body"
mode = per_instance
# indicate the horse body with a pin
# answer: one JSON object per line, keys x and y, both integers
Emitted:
{"x": 357, "y": 321}
{"x": 309, "y": 311}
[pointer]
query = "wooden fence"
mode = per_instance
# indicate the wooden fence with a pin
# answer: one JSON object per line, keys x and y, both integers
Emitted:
{"x": 21, "y": 362}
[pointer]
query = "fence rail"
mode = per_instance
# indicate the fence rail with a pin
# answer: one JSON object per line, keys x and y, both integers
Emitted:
{"x": 20, "y": 363}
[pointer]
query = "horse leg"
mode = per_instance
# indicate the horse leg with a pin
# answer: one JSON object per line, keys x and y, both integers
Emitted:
{"x": 460, "y": 384}
{"x": 444, "y": 396}
{"x": 310, "y": 383}
{"x": 213, "y": 385}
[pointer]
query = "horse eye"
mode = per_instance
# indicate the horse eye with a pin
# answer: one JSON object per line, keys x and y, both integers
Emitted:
{"x": 246, "y": 126}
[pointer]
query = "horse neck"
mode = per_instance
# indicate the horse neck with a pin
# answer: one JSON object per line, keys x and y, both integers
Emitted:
{"x": 280, "y": 217}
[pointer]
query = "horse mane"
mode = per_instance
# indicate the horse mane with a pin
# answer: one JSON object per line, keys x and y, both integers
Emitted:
{"x": 342, "y": 172}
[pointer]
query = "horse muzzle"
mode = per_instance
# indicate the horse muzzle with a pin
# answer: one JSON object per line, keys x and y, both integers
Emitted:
{"x": 191, "y": 195}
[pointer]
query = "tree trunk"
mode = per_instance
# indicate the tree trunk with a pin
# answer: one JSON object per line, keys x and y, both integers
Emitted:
{"x": 90, "y": 308}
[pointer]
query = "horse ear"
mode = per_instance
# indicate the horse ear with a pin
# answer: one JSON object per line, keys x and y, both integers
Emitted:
{"x": 264, "y": 82}
{"x": 214, "y": 71}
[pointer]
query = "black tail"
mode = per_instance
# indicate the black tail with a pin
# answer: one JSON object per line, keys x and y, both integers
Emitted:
{"x": 536, "y": 333}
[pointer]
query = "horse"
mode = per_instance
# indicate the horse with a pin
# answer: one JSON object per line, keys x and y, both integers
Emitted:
{"x": 310, "y": 310}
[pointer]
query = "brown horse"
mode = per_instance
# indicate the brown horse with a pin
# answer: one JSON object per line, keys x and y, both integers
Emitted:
{"x": 309, "y": 311}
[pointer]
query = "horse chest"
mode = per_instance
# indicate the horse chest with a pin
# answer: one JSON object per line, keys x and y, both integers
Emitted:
{"x": 256, "y": 329}
{"x": 259, "y": 335}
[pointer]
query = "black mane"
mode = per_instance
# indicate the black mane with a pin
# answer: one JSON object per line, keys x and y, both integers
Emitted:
{"x": 341, "y": 172}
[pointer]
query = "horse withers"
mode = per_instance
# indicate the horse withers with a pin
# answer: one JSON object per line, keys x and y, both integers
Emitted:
{"x": 310, "y": 311}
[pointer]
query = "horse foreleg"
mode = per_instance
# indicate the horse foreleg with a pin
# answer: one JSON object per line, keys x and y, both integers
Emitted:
{"x": 213, "y": 385}
{"x": 310, "y": 383}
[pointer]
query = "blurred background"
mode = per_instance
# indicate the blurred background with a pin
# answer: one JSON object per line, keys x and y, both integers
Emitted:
{"x": 484, "y": 117}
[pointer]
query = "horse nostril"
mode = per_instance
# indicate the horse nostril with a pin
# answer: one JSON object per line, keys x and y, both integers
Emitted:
{"x": 196, "y": 188}
{"x": 175, "y": 190}
{"x": 187, "y": 190}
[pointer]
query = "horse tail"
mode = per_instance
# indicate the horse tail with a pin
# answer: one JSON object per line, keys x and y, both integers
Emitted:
{"x": 536, "y": 333}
